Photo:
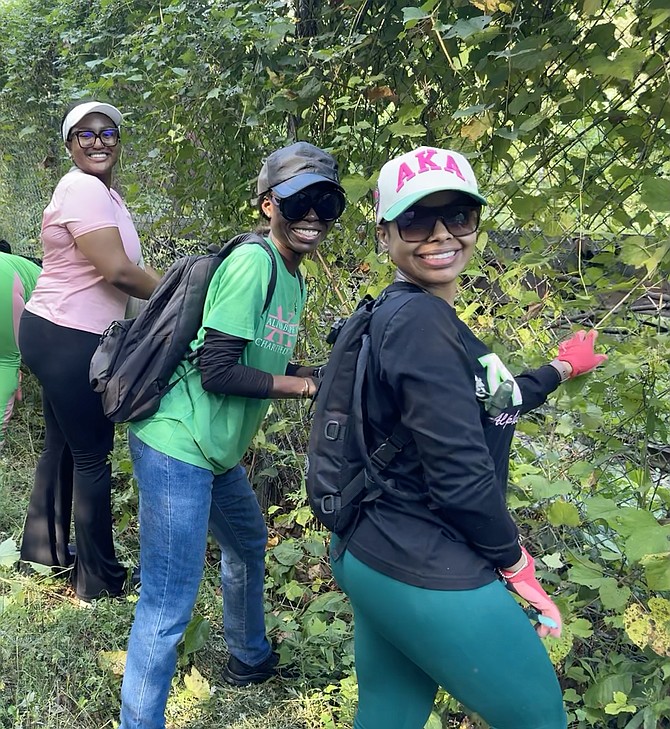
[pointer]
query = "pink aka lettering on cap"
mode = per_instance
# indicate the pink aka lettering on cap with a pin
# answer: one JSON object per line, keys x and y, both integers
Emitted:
{"x": 414, "y": 175}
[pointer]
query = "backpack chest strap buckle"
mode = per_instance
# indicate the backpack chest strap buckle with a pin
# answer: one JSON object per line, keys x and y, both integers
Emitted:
{"x": 387, "y": 451}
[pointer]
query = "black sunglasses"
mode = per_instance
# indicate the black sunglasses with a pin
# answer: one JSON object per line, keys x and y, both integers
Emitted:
{"x": 327, "y": 204}
{"x": 417, "y": 223}
{"x": 86, "y": 138}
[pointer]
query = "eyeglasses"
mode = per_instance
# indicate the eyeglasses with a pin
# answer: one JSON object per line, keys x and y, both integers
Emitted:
{"x": 327, "y": 204}
{"x": 417, "y": 223}
{"x": 86, "y": 138}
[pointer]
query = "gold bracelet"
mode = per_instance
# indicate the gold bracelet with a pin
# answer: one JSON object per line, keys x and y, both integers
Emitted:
{"x": 305, "y": 390}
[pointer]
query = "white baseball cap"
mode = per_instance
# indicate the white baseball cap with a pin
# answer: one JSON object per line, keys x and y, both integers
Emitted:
{"x": 89, "y": 107}
{"x": 414, "y": 175}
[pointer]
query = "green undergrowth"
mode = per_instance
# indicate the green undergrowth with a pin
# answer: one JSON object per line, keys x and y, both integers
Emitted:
{"x": 594, "y": 520}
{"x": 61, "y": 665}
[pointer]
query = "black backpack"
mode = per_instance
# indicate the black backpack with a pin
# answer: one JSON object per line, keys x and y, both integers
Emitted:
{"x": 341, "y": 473}
{"x": 133, "y": 364}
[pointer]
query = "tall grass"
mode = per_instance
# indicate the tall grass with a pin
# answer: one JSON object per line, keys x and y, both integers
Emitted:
{"x": 61, "y": 665}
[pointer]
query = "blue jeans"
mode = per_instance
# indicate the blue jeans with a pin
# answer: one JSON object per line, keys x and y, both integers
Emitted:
{"x": 178, "y": 503}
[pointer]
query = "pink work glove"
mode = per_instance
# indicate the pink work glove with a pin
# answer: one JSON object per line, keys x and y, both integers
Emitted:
{"x": 526, "y": 586}
{"x": 578, "y": 352}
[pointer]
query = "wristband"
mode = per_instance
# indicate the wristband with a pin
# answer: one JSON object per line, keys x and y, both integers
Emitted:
{"x": 564, "y": 369}
{"x": 508, "y": 575}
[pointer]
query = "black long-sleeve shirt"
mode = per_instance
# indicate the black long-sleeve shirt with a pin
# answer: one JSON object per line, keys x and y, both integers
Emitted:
{"x": 221, "y": 371}
{"x": 429, "y": 371}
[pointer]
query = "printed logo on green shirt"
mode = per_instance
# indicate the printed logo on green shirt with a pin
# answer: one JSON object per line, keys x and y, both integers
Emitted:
{"x": 280, "y": 332}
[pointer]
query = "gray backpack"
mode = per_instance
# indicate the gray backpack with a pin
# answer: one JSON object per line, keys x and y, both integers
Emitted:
{"x": 133, "y": 364}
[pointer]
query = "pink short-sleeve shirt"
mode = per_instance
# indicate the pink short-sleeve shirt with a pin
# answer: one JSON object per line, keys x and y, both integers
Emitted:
{"x": 70, "y": 292}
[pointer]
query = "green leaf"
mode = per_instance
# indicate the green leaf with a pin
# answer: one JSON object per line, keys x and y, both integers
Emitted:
{"x": 563, "y": 513}
{"x": 41, "y": 569}
{"x": 293, "y": 590}
{"x": 581, "y": 469}
{"x": 356, "y": 187}
{"x": 27, "y": 131}
{"x": 196, "y": 685}
{"x": 553, "y": 561}
{"x": 399, "y": 129}
{"x": 654, "y": 539}
{"x": 543, "y": 488}
{"x": 600, "y": 693}
{"x": 411, "y": 16}
{"x": 625, "y": 66}
{"x": 315, "y": 626}
{"x": 329, "y": 602}
{"x": 9, "y": 554}
{"x": 303, "y": 515}
{"x": 465, "y": 28}
{"x": 657, "y": 571}
{"x": 619, "y": 705}
{"x": 434, "y": 721}
{"x": 588, "y": 574}
{"x": 656, "y": 194}
{"x": 625, "y": 520}
{"x": 598, "y": 507}
{"x": 532, "y": 122}
{"x": 629, "y": 520}
{"x": 470, "y": 111}
{"x": 612, "y": 596}
{"x": 195, "y": 636}
{"x": 633, "y": 251}
{"x": 112, "y": 661}
{"x": 592, "y": 7}
{"x": 287, "y": 553}
{"x": 506, "y": 133}
{"x": 659, "y": 17}
{"x": 581, "y": 627}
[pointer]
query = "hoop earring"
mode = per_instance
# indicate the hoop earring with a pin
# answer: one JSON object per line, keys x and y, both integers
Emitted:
{"x": 382, "y": 257}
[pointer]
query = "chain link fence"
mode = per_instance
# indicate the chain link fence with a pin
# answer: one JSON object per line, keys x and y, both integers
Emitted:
{"x": 573, "y": 190}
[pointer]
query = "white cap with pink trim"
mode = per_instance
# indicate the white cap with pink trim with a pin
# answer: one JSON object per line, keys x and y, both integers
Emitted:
{"x": 414, "y": 175}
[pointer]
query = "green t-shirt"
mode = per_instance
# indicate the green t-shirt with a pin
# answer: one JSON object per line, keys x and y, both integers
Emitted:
{"x": 211, "y": 430}
{"x": 26, "y": 270}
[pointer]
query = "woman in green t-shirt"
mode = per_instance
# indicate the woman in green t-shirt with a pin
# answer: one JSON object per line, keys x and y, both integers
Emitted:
{"x": 187, "y": 456}
{"x": 18, "y": 276}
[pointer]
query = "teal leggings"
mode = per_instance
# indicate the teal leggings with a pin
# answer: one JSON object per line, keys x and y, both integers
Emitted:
{"x": 477, "y": 644}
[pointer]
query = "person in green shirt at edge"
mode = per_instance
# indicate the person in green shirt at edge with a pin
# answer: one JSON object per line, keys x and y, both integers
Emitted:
{"x": 186, "y": 457}
{"x": 18, "y": 276}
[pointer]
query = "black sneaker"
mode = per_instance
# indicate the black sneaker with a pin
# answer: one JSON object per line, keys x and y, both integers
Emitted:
{"x": 240, "y": 674}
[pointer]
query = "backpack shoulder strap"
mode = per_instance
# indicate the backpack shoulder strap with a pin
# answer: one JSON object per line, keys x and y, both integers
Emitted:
{"x": 257, "y": 239}
{"x": 400, "y": 436}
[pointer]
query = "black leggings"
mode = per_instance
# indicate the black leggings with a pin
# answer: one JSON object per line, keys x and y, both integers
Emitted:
{"x": 74, "y": 467}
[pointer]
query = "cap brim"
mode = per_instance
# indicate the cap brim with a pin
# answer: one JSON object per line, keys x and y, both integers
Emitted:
{"x": 91, "y": 107}
{"x": 401, "y": 205}
{"x": 300, "y": 182}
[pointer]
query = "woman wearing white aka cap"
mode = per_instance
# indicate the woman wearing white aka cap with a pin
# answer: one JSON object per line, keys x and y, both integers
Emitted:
{"x": 187, "y": 456}
{"x": 424, "y": 575}
{"x": 91, "y": 252}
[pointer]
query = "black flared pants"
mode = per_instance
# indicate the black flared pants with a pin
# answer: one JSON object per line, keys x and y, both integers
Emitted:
{"x": 73, "y": 475}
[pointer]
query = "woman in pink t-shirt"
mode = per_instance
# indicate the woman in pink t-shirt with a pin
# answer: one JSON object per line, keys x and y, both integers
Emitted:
{"x": 90, "y": 268}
